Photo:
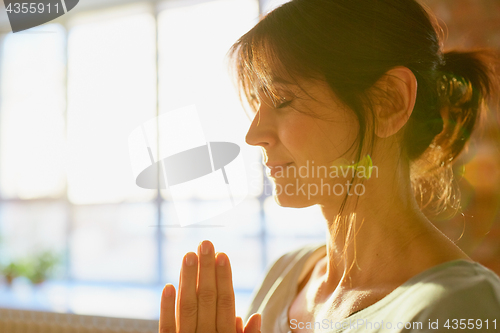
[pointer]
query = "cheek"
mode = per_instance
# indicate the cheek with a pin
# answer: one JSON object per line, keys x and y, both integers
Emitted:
{"x": 300, "y": 135}
{"x": 338, "y": 136}
{"x": 323, "y": 141}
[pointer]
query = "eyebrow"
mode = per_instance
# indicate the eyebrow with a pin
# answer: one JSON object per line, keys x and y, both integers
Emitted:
{"x": 282, "y": 81}
{"x": 279, "y": 80}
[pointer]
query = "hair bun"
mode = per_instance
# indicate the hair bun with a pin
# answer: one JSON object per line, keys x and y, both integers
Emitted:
{"x": 454, "y": 90}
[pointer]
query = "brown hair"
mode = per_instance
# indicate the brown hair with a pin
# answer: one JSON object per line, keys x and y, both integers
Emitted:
{"x": 351, "y": 44}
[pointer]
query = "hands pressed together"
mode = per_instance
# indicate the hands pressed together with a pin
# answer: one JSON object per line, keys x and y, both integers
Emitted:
{"x": 205, "y": 302}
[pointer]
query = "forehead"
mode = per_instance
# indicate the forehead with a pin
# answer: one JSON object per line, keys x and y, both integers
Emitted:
{"x": 274, "y": 81}
{"x": 279, "y": 83}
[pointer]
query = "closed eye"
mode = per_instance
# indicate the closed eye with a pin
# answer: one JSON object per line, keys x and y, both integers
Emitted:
{"x": 284, "y": 104}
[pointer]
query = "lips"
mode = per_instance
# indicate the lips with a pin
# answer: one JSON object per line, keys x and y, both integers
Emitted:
{"x": 278, "y": 167}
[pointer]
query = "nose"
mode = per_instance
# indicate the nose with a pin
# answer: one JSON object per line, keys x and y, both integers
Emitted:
{"x": 262, "y": 131}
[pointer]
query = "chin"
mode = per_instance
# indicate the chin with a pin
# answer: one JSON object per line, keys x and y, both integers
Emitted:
{"x": 294, "y": 193}
{"x": 294, "y": 201}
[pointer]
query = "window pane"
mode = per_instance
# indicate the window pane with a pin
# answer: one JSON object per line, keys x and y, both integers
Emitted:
{"x": 193, "y": 42}
{"x": 112, "y": 79}
{"x": 28, "y": 229}
{"x": 114, "y": 243}
{"x": 239, "y": 238}
{"x": 32, "y": 114}
{"x": 269, "y": 5}
{"x": 290, "y": 222}
{"x": 290, "y": 228}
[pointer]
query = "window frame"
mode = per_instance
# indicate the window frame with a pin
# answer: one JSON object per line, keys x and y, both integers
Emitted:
{"x": 155, "y": 8}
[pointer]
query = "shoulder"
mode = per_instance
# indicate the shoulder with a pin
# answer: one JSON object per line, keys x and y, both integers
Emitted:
{"x": 458, "y": 290}
{"x": 278, "y": 274}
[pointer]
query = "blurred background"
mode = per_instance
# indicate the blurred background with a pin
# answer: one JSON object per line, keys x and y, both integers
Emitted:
{"x": 78, "y": 236}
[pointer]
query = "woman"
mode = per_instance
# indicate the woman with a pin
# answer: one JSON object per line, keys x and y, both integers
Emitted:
{"x": 336, "y": 85}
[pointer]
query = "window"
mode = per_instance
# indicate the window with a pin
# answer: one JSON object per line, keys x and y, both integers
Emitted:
{"x": 32, "y": 142}
{"x": 72, "y": 94}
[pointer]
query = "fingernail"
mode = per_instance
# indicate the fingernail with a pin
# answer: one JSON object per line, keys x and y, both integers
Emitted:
{"x": 221, "y": 260}
{"x": 167, "y": 292}
{"x": 190, "y": 260}
{"x": 205, "y": 248}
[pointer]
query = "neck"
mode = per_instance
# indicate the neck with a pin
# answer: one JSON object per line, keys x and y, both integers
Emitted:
{"x": 376, "y": 236}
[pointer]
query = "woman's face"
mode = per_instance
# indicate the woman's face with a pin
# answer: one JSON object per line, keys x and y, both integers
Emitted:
{"x": 300, "y": 138}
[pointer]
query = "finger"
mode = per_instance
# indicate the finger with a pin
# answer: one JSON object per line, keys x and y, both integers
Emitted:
{"x": 253, "y": 324}
{"x": 187, "y": 303}
{"x": 239, "y": 325}
{"x": 207, "y": 289}
{"x": 167, "y": 310}
{"x": 226, "y": 320}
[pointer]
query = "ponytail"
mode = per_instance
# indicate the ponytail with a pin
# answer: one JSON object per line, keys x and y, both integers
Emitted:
{"x": 464, "y": 83}
{"x": 466, "y": 80}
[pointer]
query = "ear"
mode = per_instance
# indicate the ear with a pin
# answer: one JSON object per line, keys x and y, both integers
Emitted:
{"x": 392, "y": 110}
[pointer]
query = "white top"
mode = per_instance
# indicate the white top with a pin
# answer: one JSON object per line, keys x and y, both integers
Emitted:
{"x": 449, "y": 297}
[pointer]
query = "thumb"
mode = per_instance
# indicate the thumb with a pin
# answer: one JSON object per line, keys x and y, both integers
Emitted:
{"x": 253, "y": 324}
